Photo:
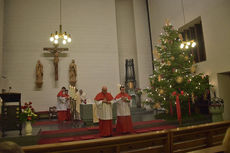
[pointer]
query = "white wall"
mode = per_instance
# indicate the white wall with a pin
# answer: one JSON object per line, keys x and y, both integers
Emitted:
{"x": 144, "y": 58}
{"x": 224, "y": 88}
{"x": 133, "y": 39}
{"x": 214, "y": 15}
{"x": 92, "y": 24}
{"x": 126, "y": 36}
{"x": 1, "y": 40}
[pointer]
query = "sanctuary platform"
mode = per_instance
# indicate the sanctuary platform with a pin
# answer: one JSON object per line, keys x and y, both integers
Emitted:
{"x": 51, "y": 131}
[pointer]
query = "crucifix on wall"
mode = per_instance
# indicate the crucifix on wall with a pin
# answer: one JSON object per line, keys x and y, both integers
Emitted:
{"x": 55, "y": 51}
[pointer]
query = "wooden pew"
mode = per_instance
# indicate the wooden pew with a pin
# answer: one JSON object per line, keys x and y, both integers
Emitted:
{"x": 215, "y": 149}
{"x": 177, "y": 140}
{"x": 152, "y": 142}
{"x": 197, "y": 137}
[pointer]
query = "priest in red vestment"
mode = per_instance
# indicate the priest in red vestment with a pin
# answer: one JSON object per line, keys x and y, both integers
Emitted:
{"x": 104, "y": 101}
{"x": 124, "y": 121}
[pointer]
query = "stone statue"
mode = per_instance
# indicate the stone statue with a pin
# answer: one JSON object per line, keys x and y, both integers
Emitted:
{"x": 72, "y": 73}
{"x": 39, "y": 74}
{"x": 56, "y": 60}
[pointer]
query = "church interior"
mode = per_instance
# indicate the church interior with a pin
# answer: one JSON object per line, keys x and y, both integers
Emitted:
{"x": 108, "y": 43}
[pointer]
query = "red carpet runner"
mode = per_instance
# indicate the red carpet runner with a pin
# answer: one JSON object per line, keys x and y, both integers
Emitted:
{"x": 85, "y": 129}
{"x": 94, "y": 136}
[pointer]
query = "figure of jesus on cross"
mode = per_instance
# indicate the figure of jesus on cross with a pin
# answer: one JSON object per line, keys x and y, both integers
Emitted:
{"x": 55, "y": 51}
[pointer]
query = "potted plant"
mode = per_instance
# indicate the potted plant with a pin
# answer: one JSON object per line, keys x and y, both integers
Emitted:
{"x": 27, "y": 116}
{"x": 216, "y": 108}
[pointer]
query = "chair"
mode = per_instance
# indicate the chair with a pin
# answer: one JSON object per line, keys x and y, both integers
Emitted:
{"x": 52, "y": 112}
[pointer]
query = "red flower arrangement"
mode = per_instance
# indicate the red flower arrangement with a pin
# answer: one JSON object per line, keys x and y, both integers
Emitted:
{"x": 28, "y": 113}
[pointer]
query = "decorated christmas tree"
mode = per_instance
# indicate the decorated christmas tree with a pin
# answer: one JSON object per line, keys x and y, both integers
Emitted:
{"x": 174, "y": 85}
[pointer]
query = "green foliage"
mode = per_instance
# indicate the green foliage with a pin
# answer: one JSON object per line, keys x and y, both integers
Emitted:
{"x": 174, "y": 72}
{"x": 138, "y": 91}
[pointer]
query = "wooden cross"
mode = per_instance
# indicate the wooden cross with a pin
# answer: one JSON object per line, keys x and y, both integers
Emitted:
{"x": 55, "y": 51}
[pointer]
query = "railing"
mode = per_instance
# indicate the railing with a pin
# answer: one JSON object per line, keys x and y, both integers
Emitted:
{"x": 167, "y": 141}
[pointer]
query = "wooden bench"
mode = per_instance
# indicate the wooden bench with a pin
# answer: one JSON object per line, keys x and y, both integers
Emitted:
{"x": 177, "y": 140}
{"x": 197, "y": 137}
{"x": 215, "y": 149}
{"x": 154, "y": 142}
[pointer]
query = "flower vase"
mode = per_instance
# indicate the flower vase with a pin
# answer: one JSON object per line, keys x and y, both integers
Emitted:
{"x": 28, "y": 128}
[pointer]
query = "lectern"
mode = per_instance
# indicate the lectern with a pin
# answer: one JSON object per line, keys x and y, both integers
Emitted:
{"x": 11, "y": 108}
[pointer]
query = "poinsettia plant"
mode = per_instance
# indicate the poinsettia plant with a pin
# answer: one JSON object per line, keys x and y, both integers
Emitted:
{"x": 27, "y": 113}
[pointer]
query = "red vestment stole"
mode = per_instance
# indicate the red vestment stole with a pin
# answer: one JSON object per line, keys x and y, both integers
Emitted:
{"x": 60, "y": 94}
{"x": 122, "y": 95}
{"x": 102, "y": 96}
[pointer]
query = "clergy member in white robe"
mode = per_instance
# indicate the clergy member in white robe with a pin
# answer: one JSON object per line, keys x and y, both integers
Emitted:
{"x": 104, "y": 101}
{"x": 124, "y": 121}
{"x": 83, "y": 96}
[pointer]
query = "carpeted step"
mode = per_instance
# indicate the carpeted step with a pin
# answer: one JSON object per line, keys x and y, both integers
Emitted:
{"x": 138, "y": 111}
{"x": 66, "y": 139}
{"x": 94, "y": 130}
{"x": 143, "y": 130}
{"x": 154, "y": 129}
{"x": 88, "y": 137}
{"x": 95, "y": 136}
{"x": 76, "y": 134}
